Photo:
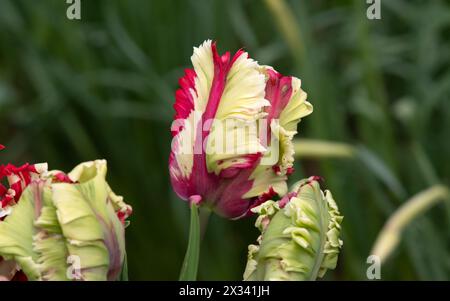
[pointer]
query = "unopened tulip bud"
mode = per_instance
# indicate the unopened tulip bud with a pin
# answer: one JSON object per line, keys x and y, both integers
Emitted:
{"x": 299, "y": 236}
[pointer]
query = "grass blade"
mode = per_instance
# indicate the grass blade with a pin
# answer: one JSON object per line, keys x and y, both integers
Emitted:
{"x": 381, "y": 171}
{"x": 322, "y": 149}
{"x": 311, "y": 148}
{"x": 390, "y": 235}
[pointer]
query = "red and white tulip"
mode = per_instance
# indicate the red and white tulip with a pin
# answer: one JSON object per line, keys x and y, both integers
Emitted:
{"x": 233, "y": 129}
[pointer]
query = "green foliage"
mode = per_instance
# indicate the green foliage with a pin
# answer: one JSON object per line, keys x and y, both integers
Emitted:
{"x": 102, "y": 87}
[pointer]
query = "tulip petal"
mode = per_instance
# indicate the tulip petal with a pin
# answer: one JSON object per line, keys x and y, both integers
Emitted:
{"x": 288, "y": 106}
{"x": 202, "y": 60}
{"x": 16, "y": 236}
{"x": 90, "y": 225}
{"x": 296, "y": 108}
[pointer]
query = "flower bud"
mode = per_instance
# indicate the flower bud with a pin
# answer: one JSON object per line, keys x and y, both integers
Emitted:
{"x": 67, "y": 227}
{"x": 299, "y": 236}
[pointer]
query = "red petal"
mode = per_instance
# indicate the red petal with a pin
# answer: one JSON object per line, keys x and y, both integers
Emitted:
{"x": 17, "y": 187}
{"x": 235, "y": 168}
{"x": 3, "y": 190}
{"x": 184, "y": 102}
{"x": 278, "y": 92}
{"x": 62, "y": 178}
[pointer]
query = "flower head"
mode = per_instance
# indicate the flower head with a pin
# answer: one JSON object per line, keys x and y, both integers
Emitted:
{"x": 299, "y": 236}
{"x": 233, "y": 130}
{"x": 67, "y": 227}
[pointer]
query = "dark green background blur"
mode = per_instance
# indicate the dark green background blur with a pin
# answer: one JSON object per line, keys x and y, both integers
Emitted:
{"x": 103, "y": 87}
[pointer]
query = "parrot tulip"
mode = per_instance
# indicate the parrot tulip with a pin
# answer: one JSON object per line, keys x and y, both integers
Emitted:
{"x": 299, "y": 235}
{"x": 67, "y": 227}
{"x": 233, "y": 129}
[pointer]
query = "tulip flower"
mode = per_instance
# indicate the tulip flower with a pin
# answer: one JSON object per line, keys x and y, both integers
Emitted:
{"x": 232, "y": 135}
{"x": 17, "y": 179}
{"x": 67, "y": 227}
{"x": 299, "y": 235}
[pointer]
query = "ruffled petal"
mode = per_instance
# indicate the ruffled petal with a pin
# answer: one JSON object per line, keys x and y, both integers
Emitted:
{"x": 233, "y": 143}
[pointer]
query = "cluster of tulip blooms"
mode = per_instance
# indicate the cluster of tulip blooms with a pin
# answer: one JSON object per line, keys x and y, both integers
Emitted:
{"x": 232, "y": 153}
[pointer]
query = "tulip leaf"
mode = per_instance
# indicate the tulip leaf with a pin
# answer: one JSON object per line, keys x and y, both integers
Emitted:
{"x": 190, "y": 264}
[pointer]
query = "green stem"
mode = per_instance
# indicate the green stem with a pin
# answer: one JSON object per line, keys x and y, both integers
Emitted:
{"x": 191, "y": 259}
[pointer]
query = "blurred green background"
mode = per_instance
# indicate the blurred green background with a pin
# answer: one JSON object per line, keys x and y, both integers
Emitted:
{"x": 103, "y": 87}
